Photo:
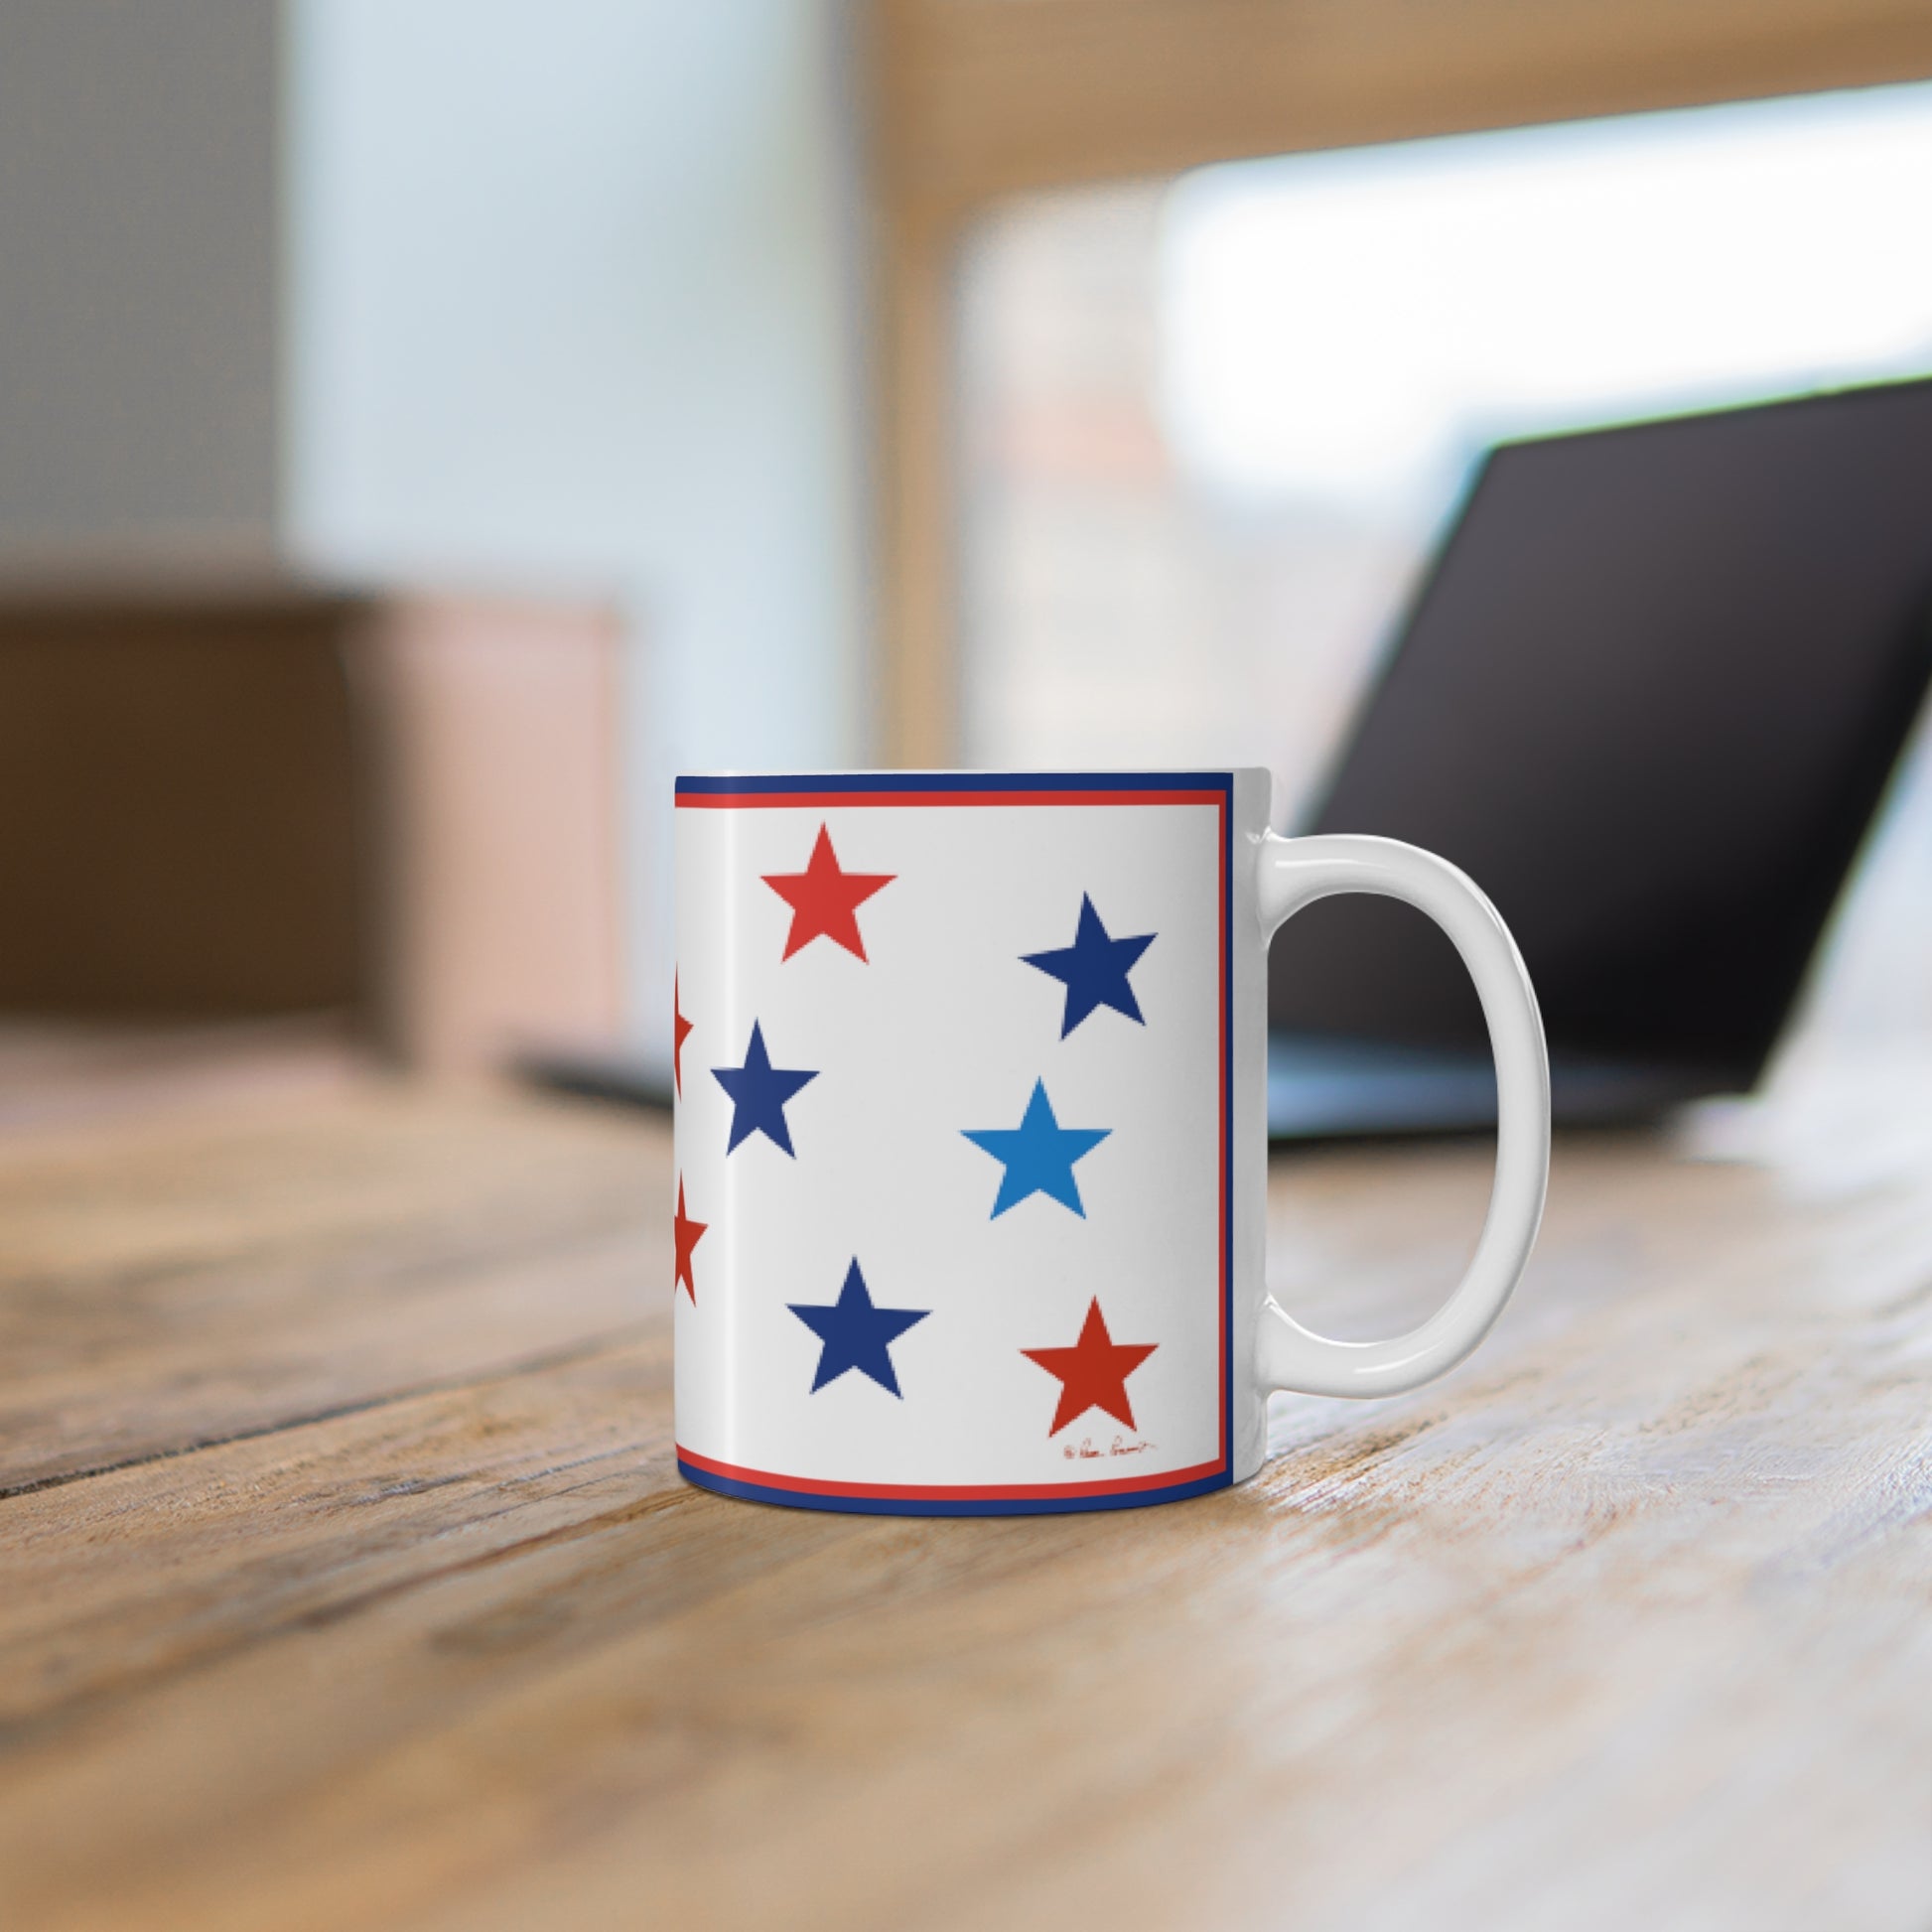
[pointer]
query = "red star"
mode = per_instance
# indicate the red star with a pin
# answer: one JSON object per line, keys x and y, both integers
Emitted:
{"x": 825, "y": 900}
{"x": 687, "y": 1233}
{"x": 1093, "y": 1373}
{"x": 681, "y": 1029}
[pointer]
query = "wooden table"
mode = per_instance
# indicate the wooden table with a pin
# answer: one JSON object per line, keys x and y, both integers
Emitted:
{"x": 349, "y": 1580}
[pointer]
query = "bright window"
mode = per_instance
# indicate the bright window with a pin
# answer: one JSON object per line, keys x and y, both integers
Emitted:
{"x": 1211, "y": 427}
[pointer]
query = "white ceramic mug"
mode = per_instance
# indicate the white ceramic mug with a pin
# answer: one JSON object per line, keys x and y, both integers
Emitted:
{"x": 971, "y": 1136}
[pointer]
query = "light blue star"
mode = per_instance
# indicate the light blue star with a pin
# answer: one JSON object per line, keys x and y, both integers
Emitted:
{"x": 1039, "y": 1154}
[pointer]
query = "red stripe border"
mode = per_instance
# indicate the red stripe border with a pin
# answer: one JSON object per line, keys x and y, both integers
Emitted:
{"x": 951, "y": 1492}
{"x": 861, "y": 800}
{"x": 1221, "y": 1116}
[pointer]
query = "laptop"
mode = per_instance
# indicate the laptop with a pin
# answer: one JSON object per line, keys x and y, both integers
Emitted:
{"x": 1648, "y": 697}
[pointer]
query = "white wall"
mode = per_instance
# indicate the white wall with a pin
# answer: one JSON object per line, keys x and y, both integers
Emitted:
{"x": 138, "y": 281}
{"x": 515, "y": 292}
{"x": 571, "y": 300}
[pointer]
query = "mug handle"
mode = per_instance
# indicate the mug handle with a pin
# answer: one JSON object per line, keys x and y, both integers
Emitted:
{"x": 1294, "y": 873}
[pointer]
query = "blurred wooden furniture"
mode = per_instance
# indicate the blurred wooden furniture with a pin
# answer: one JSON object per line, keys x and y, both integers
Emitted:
{"x": 284, "y": 800}
{"x": 349, "y": 1581}
{"x": 978, "y": 100}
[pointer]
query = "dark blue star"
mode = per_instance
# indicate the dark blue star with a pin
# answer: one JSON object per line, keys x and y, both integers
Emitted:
{"x": 1095, "y": 969}
{"x": 758, "y": 1092}
{"x": 1038, "y": 1153}
{"x": 856, "y": 1334}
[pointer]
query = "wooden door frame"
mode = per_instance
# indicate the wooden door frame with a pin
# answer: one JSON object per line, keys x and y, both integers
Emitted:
{"x": 975, "y": 102}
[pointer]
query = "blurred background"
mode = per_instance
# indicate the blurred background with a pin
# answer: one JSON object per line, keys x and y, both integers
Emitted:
{"x": 427, "y": 428}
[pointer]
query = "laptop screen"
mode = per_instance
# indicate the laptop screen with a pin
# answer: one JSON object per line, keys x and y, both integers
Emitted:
{"x": 1648, "y": 699}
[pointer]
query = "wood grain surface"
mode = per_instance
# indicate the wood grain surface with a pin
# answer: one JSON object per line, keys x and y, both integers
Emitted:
{"x": 348, "y": 1579}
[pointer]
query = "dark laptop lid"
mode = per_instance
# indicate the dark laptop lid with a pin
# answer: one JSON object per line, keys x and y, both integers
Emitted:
{"x": 1648, "y": 698}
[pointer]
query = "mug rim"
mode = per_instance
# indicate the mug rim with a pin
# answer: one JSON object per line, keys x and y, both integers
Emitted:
{"x": 1112, "y": 773}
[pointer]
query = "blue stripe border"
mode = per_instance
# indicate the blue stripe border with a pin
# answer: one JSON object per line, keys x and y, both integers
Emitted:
{"x": 1228, "y": 1160}
{"x": 758, "y": 1493}
{"x": 823, "y": 785}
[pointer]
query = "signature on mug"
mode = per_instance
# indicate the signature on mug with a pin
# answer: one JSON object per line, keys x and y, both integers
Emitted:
{"x": 1084, "y": 1450}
